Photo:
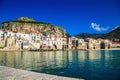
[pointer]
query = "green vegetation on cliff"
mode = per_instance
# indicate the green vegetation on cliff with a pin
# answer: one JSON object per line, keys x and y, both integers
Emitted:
{"x": 28, "y": 25}
{"x": 88, "y": 35}
{"x": 68, "y": 35}
{"x": 115, "y": 34}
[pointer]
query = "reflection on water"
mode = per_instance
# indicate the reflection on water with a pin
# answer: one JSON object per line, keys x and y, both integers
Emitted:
{"x": 90, "y": 65}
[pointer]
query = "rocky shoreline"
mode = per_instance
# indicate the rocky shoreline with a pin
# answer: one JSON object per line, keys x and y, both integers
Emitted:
{"x": 7, "y": 73}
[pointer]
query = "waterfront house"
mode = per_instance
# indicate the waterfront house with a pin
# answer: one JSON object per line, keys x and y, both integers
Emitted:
{"x": 69, "y": 42}
{"x": 115, "y": 45}
{"x": 2, "y": 41}
{"x": 105, "y": 44}
{"x": 81, "y": 44}
{"x": 45, "y": 42}
{"x": 92, "y": 43}
{"x": 59, "y": 42}
{"x": 10, "y": 42}
{"x": 73, "y": 42}
{"x": 76, "y": 43}
{"x": 1, "y": 35}
{"x": 64, "y": 43}
{"x": 97, "y": 44}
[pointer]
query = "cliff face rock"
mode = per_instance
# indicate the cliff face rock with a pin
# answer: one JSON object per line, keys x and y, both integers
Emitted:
{"x": 28, "y": 25}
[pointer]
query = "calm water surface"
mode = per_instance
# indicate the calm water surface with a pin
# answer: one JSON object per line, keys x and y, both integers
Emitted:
{"x": 89, "y": 65}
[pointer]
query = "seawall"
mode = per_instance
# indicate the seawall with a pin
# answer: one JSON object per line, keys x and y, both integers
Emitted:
{"x": 7, "y": 73}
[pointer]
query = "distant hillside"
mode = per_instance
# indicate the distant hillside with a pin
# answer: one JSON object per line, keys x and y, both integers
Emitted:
{"x": 88, "y": 35}
{"x": 28, "y": 25}
{"x": 115, "y": 34}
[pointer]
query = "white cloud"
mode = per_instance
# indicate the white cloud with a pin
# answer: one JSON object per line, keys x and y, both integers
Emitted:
{"x": 115, "y": 27}
{"x": 98, "y": 28}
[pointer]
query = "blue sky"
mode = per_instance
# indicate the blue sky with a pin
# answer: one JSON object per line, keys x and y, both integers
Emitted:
{"x": 76, "y": 16}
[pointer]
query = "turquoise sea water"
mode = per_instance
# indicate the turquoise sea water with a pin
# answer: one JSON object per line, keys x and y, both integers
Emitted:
{"x": 89, "y": 65}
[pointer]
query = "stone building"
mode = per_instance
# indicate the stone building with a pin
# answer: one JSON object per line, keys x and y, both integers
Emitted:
{"x": 76, "y": 43}
{"x": 72, "y": 43}
{"x": 65, "y": 43}
{"x": 92, "y": 43}
{"x": 105, "y": 44}
{"x": 81, "y": 44}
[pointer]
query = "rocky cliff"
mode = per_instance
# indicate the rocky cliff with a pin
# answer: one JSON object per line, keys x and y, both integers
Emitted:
{"x": 28, "y": 25}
